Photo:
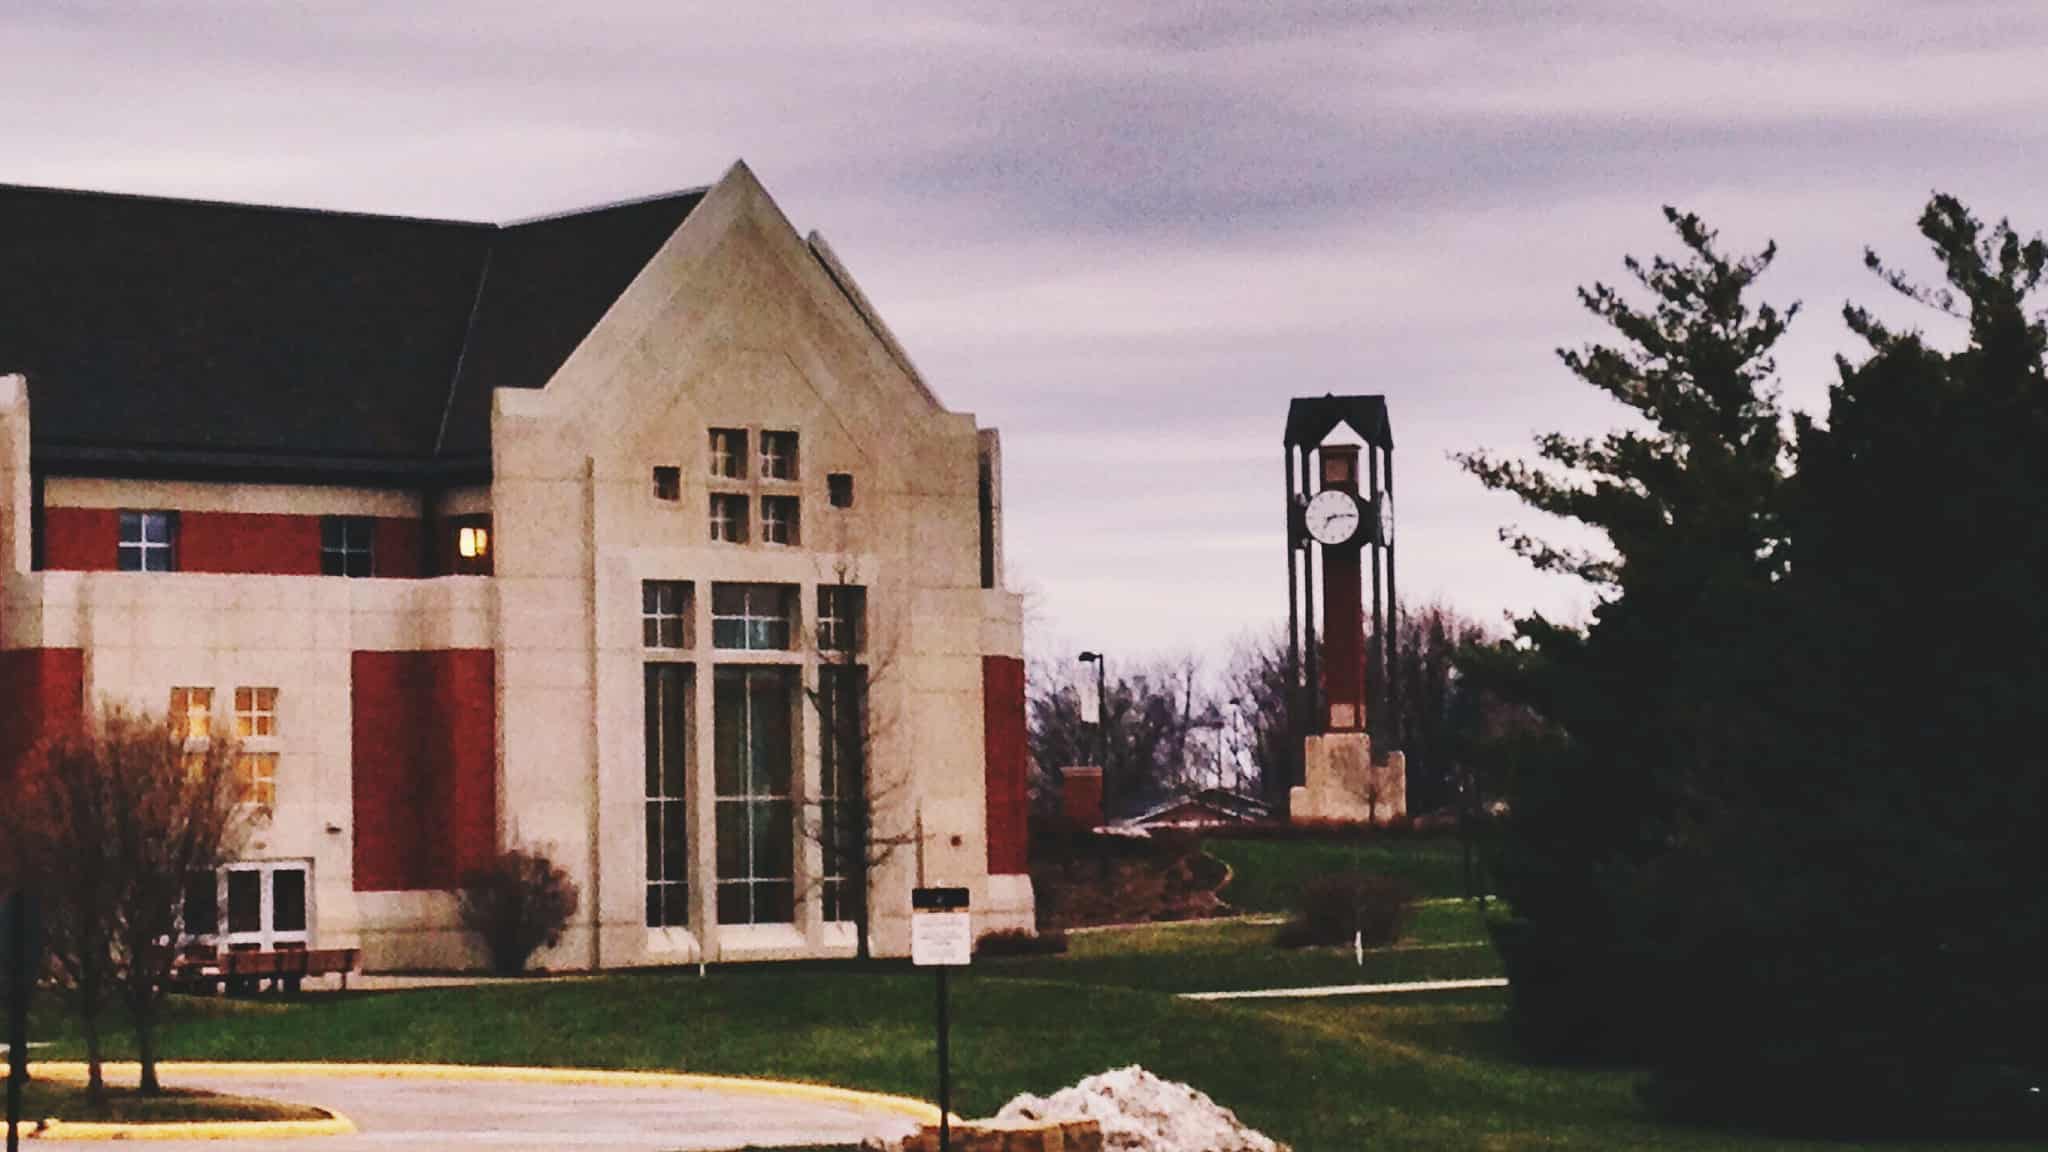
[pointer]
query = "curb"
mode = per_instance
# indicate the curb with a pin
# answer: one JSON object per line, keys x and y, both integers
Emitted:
{"x": 335, "y": 1125}
{"x": 1348, "y": 990}
{"x": 919, "y": 1110}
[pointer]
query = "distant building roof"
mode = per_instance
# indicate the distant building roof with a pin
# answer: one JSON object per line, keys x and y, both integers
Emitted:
{"x": 178, "y": 335}
{"x": 1206, "y": 808}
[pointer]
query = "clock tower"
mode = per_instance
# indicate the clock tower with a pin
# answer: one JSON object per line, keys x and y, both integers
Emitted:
{"x": 1340, "y": 523}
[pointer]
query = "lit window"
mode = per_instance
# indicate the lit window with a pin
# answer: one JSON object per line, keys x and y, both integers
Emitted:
{"x": 191, "y": 714}
{"x": 729, "y": 518}
{"x": 473, "y": 543}
{"x": 779, "y": 519}
{"x": 839, "y": 486}
{"x": 754, "y": 617}
{"x": 668, "y": 483}
{"x": 346, "y": 547}
{"x": 729, "y": 453}
{"x": 665, "y": 613}
{"x": 255, "y": 712}
{"x": 842, "y": 609}
{"x": 148, "y": 542}
{"x": 778, "y": 455}
{"x": 256, "y": 777}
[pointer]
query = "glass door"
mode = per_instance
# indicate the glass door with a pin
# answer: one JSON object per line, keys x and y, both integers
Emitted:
{"x": 267, "y": 906}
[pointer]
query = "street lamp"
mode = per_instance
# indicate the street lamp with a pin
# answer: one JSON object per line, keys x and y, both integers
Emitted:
{"x": 1101, "y": 710}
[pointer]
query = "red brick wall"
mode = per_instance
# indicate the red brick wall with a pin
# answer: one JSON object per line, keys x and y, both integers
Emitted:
{"x": 1004, "y": 757}
{"x": 42, "y": 693}
{"x": 81, "y": 539}
{"x": 398, "y": 547}
{"x": 1081, "y": 797}
{"x": 424, "y": 731}
{"x": 255, "y": 543}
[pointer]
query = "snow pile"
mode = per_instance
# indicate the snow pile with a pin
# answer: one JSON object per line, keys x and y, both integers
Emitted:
{"x": 1139, "y": 1112}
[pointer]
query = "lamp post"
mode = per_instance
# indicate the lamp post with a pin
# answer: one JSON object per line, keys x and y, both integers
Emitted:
{"x": 1101, "y": 723}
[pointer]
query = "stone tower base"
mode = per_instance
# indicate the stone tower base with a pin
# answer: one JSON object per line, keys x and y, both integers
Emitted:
{"x": 1345, "y": 784}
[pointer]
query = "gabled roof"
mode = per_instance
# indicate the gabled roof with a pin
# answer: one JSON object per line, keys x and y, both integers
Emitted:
{"x": 172, "y": 335}
{"x": 1311, "y": 418}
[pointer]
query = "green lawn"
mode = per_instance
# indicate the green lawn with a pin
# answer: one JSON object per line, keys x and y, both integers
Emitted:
{"x": 1266, "y": 875}
{"x": 1427, "y": 1072}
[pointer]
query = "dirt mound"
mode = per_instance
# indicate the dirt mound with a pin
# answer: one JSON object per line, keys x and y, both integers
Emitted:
{"x": 1140, "y": 1112}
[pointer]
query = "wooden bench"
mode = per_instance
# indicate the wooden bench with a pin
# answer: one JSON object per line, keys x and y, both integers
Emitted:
{"x": 286, "y": 968}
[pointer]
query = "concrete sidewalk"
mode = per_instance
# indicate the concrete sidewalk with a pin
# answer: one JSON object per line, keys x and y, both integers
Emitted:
{"x": 1347, "y": 990}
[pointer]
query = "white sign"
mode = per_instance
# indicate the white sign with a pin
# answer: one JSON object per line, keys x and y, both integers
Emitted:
{"x": 941, "y": 939}
{"x": 1091, "y": 701}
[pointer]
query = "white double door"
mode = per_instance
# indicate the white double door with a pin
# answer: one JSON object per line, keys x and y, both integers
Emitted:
{"x": 266, "y": 905}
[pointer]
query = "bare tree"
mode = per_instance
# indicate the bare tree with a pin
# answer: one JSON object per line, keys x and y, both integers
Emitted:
{"x": 857, "y": 816}
{"x": 1145, "y": 715}
{"x": 108, "y": 827}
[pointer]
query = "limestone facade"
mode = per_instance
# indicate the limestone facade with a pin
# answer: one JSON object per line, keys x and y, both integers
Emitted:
{"x": 602, "y": 486}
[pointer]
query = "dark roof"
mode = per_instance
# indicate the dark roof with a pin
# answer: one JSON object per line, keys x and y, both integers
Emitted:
{"x": 179, "y": 335}
{"x": 1311, "y": 418}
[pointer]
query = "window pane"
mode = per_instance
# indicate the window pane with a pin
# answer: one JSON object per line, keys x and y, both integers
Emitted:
{"x": 653, "y": 840}
{"x": 775, "y": 903}
{"x": 675, "y": 854}
{"x": 774, "y": 839}
{"x": 288, "y": 900}
{"x": 728, "y": 599}
{"x": 156, "y": 528}
{"x": 676, "y": 904}
{"x": 245, "y": 901}
{"x": 733, "y": 905}
{"x": 202, "y": 904}
{"x": 733, "y": 853}
{"x": 771, "y": 736}
{"x": 729, "y": 726}
{"x": 131, "y": 527}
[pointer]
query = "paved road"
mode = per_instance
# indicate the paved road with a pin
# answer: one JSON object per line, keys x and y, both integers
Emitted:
{"x": 513, "y": 1117}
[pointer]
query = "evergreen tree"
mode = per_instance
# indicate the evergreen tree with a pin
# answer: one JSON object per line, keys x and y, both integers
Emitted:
{"x": 1866, "y": 905}
{"x": 1640, "y": 704}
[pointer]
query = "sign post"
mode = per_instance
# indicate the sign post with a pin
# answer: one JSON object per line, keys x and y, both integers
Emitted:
{"x": 19, "y": 964}
{"x": 942, "y": 937}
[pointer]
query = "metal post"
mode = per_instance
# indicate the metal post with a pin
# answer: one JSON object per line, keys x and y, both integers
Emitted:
{"x": 1312, "y": 689}
{"x": 945, "y": 1073}
{"x": 19, "y": 980}
{"x": 1376, "y": 669}
{"x": 1393, "y": 615}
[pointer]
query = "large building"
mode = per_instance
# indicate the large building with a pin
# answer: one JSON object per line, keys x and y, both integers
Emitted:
{"x": 559, "y": 533}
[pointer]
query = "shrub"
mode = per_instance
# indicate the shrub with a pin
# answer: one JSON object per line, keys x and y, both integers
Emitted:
{"x": 1017, "y": 942}
{"x": 516, "y": 905}
{"x": 1335, "y": 907}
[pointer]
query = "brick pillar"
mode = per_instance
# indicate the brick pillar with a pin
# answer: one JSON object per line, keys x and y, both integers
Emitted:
{"x": 1081, "y": 797}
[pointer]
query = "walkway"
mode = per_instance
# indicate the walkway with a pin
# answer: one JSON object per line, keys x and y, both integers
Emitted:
{"x": 1347, "y": 990}
{"x": 516, "y": 1110}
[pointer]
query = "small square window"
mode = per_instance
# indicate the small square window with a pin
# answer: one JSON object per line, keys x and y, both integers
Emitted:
{"x": 778, "y": 455}
{"x": 468, "y": 541}
{"x": 729, "y": 453}
{"x": 756, "y": 617}
{"x": 255, "y": 712}
{"x": 839, "y": 485}
{"x": 191, "y": 714}
{"x": 148, "y": 542}
{"x": 729, "y": 517}
{"x": 668, "y": 483}
{"x": 780, "y": 517}
{"x": 346, "y": 546}
{"x": 256, "y": 773}
{"x": 842, "y": 617}
{"x": 665, "y": 613}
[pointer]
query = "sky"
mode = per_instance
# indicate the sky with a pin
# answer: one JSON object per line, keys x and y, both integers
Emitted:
{"x": 1127, "y": 233}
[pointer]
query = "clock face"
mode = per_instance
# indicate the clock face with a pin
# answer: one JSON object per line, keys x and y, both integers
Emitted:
{"x": 1332, "y": 517}
{"x": 1386, "y": 519}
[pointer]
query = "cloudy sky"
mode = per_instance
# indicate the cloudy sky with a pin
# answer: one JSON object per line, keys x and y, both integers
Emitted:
{"x": 1127, "y": 233}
